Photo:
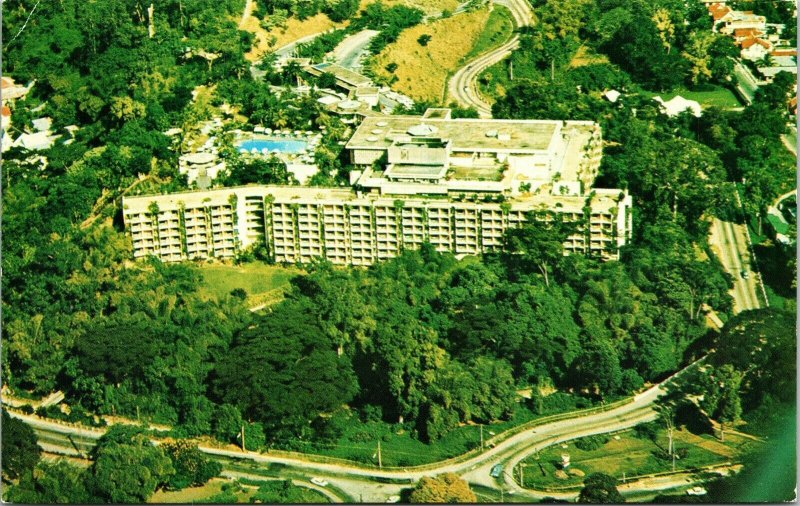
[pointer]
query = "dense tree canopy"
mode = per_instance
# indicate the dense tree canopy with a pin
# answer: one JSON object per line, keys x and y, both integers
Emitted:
{"x": 20, "y": 449}
{"x": 445, "y": 488}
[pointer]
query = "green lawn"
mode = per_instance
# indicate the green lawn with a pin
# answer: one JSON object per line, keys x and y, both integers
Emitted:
{"x": 223, "y": 491}
{"x": 713, "y": 96}
{"x": 497, "y": 30}
{"x": 258, "y": 279}
{"x": 631, "y": 455}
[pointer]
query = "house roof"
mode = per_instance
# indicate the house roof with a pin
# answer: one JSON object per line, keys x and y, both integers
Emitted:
{"x": 747, "y": 32}
{"x": 719, "y": 11}
{"x": 750, "y": 42}
{"x": 6, "y": 82}
{"x": 6, "y": 111}
{"x": 790, "y": 51}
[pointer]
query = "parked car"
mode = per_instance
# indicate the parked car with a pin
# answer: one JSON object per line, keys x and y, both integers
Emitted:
{"x": 319, "y": 481}
{"x": 744, "y": 274}
{"x": 393, "y": 499}
{"x": 497, "y": 469}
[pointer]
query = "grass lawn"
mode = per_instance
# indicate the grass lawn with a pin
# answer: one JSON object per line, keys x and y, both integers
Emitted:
{"x": 498, "y": 29}
{"x": 258, "y": 279}
{"x": 422, "y": 71}
{"x": 203, "y": 493}
{"x": 713, "y": 96}
{"x": 631, "y": 455}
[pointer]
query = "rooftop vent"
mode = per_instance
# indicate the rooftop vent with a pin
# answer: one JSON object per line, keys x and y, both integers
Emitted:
{"x": 422, "y": 129}
{"x": 491, "y": 133}
{"x": 377, "y": 131}
{"x": 372, "y": 138}
{"x": 381, "y": 123}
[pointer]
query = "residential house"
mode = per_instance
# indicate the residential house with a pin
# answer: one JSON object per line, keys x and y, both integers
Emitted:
{"x": 754, "y": 49}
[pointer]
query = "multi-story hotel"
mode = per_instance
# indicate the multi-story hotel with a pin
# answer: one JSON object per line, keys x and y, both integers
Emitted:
{"x": 455, "y": 183}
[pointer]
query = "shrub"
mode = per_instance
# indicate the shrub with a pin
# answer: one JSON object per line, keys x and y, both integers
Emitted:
{"x": 424, "y": 39}
{"x": 646, "y": 431}
{"x": 590, "y": 443}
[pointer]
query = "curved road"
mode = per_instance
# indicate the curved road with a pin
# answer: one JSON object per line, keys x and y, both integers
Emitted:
{"x": 463, "y": 84}
{"x": 476, "y": 469}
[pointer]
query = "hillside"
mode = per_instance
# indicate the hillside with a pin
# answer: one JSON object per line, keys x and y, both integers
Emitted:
{"x": 422, "y": 71}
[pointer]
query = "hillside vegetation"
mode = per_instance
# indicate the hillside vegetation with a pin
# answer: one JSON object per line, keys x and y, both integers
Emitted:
{"x": 422, "y": 71}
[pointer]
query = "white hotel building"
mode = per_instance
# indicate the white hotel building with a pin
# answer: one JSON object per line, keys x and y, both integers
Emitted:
{"x": 455, "y": 183}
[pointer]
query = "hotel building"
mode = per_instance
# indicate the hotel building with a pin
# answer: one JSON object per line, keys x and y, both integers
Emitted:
{"x": 455, "y": 183}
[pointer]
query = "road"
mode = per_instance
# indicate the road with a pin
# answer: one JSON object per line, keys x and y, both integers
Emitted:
{"x": 746, "y": 83}
{"x": 248, "y": 9}
{"x": 729, "y": 242}
{"x": 349, "y": 52}
{"x": 361, "y": 481}
{"x": 462, "y": 86}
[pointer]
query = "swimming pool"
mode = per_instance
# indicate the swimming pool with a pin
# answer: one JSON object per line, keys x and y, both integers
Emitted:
{"x": 270, "y": 145}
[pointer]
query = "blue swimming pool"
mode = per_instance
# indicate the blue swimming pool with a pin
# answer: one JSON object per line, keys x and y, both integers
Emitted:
{"x": 270, "y": 145}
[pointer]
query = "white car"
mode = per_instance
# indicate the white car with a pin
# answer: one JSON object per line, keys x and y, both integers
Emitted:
{"x": 393, "y": 499}
{"x": 696, "y": 491}
{"x": 319, "y": 481}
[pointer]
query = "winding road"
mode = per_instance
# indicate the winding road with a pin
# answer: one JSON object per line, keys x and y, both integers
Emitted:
{"x": 358, "y": 481}
{"x": 462, "y": 86}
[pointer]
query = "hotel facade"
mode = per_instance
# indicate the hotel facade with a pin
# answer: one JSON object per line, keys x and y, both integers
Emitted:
{"x": 457, "y": 184}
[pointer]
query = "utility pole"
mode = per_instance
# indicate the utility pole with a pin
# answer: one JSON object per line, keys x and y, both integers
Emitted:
{"x": 137, "y": 414}
{"x": 510, "y": 70}
{"x": 521, "y": 475}
{"x": 481, "y": 426}
{"x": 243, "y": 447}
{"x": 379, "y": 454}
{"x": 552, "y": 69}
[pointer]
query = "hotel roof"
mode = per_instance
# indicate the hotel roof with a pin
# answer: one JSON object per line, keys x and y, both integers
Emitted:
{"x": 510, "y": 136}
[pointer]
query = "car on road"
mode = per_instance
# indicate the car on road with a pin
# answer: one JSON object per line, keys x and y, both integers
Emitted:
{"x": 497, "y": 469}
{"x": 393, "y": 499}
{"x": 319, "y": 481}
{"x": 744, "y": 274}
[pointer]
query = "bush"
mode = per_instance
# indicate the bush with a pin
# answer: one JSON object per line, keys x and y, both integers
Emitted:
{"x": 590, "y": 443}
{"x": 424, "y": 39}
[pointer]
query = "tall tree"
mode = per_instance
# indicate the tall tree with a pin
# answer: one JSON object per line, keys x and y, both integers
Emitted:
{"x": 599, "y": 488}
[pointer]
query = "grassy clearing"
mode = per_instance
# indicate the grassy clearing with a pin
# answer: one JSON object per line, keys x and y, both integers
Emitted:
{"x": 223, "y": 491}
{"x": 587, "y": 56}
{"x": 715, "y": 96}
{"x": 199, "y": 494}
{"x": 422, "y": 71}
{"x": 256, "y": 278}
{"x": 631, "y": 455}
{"x": 498, "y": 28}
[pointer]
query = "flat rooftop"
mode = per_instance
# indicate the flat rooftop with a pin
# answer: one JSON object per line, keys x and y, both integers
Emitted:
{"x": 353, "y": 78}
{"x": 602, "y": 199}
{"x": 511, "y": 136}
{"x": 415, "y": 171}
